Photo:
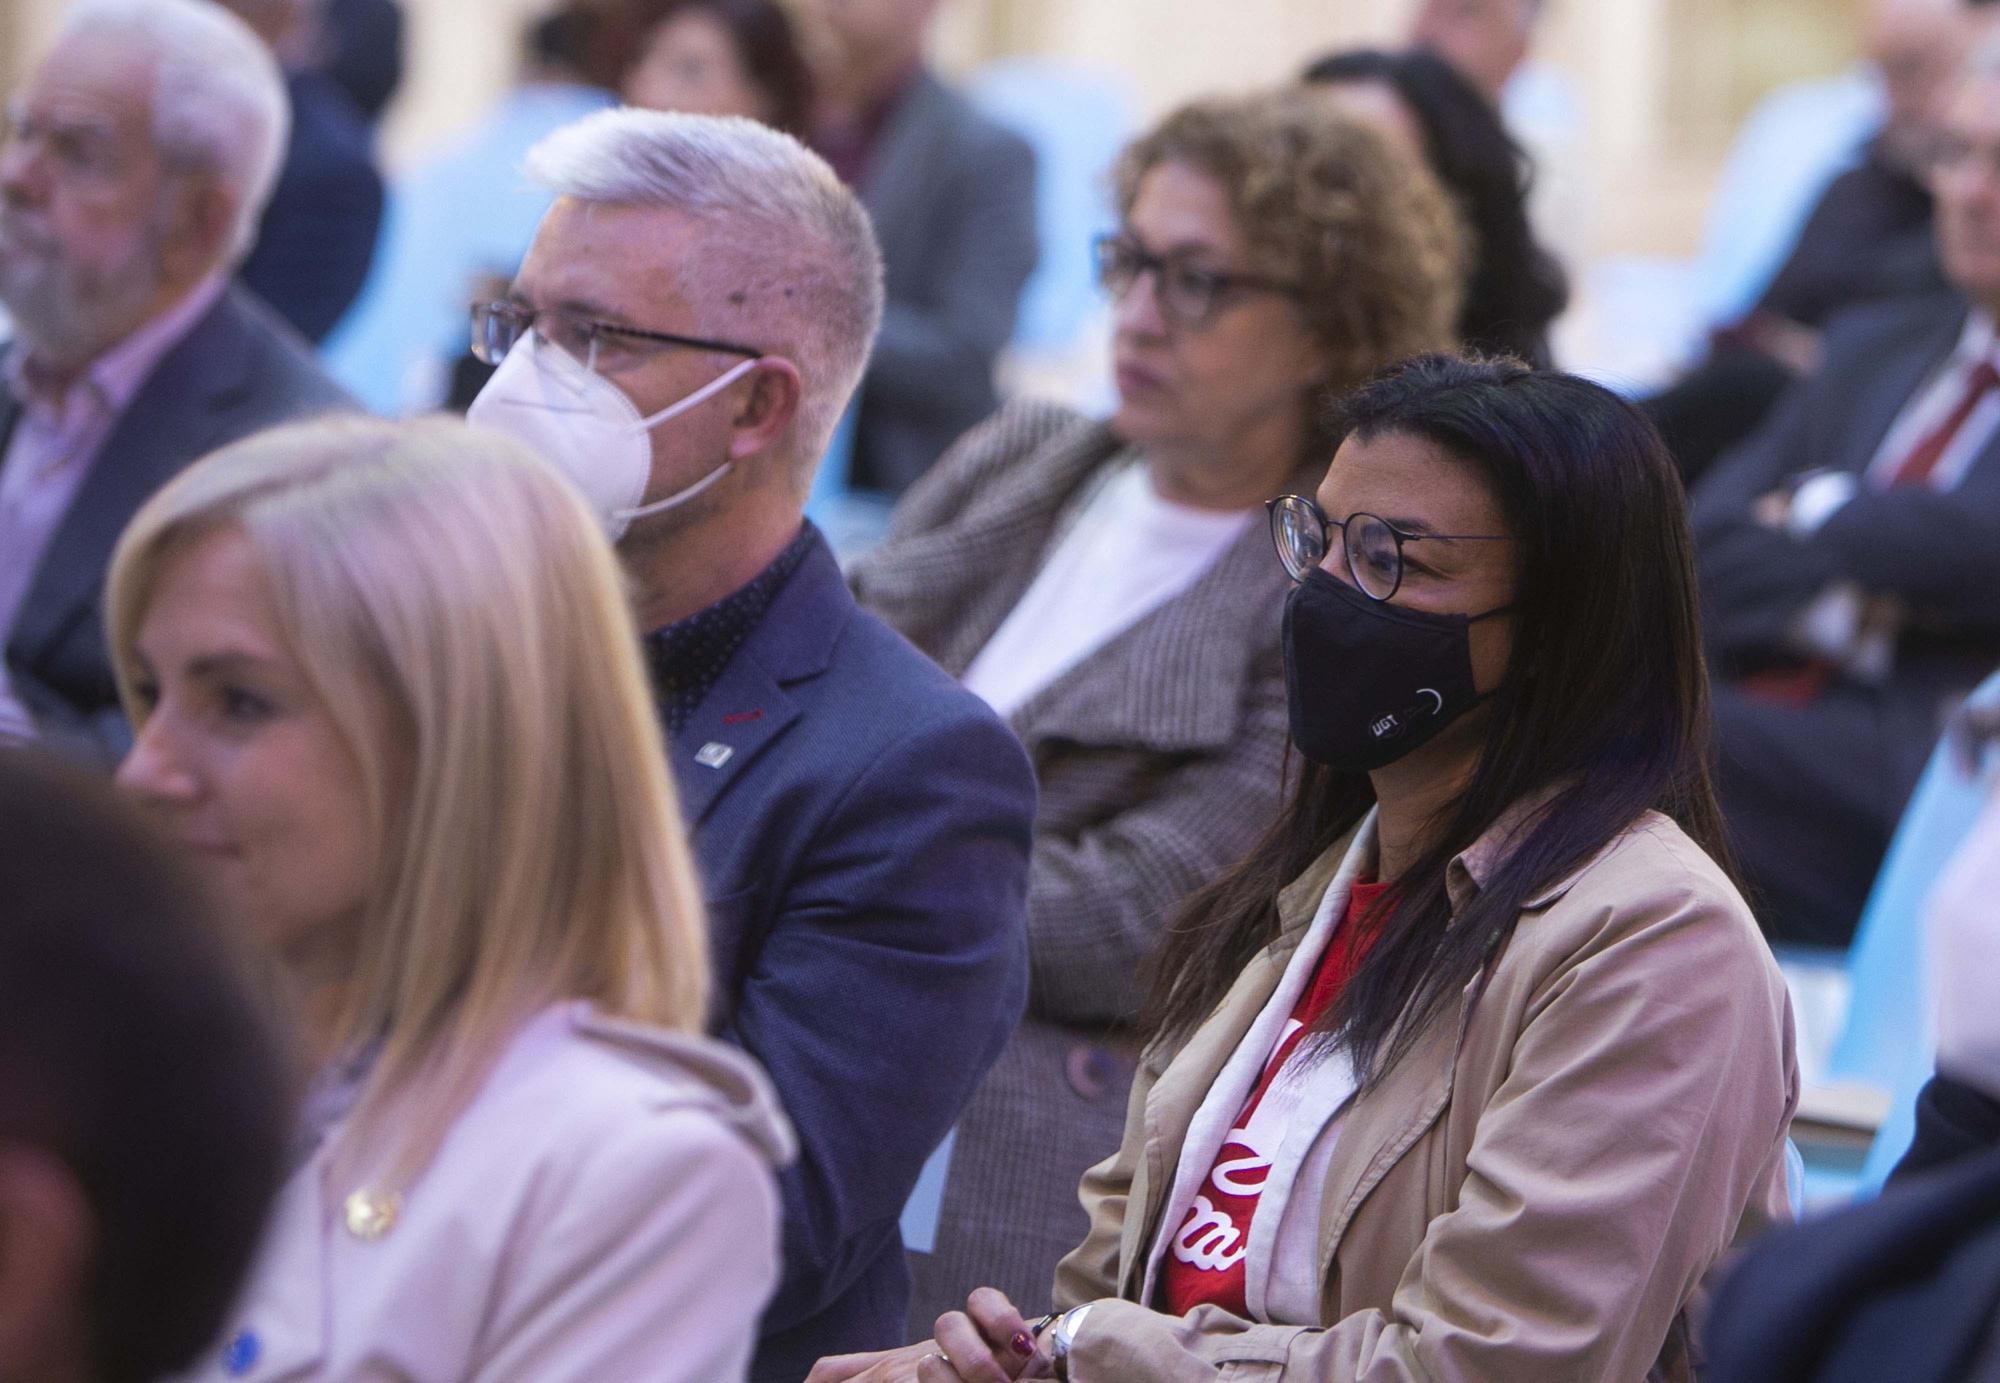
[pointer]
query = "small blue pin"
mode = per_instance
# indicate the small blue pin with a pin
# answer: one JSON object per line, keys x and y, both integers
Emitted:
{"x": 240, "y": 1355}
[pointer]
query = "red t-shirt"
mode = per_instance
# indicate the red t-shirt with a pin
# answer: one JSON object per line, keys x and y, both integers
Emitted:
{"x": 1204, "y": 1262}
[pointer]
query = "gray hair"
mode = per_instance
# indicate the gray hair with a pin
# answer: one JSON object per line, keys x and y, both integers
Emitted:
{"x": 219, "y": 100}
{"x": 787, "y": 259}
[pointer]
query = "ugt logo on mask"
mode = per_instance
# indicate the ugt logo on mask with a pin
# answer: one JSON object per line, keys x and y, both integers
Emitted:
{"x": 1386, "y": 726}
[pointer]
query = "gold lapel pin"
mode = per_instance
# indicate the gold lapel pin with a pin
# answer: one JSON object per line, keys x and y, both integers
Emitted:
{"x": 370, "y": 1216}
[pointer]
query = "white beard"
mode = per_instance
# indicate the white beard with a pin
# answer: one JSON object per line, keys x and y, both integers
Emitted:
{"x": 64, "y": 315}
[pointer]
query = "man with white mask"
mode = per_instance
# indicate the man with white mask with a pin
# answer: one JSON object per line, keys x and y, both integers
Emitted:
{"x": 134, "y": 163}
{"x": 687, "y": 327}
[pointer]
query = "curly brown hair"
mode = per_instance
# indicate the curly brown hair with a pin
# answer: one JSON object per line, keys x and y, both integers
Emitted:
{"x": 1326, "y": 202}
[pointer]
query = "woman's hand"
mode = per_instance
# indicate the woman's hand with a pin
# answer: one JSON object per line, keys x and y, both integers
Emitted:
{"x": 988, "y": 1342}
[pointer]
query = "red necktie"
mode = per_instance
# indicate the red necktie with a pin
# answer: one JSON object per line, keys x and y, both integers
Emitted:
{"x": 1916, "y": 468}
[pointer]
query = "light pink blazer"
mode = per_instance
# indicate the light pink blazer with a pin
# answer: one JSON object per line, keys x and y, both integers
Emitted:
{"x": 604, "y": 1209}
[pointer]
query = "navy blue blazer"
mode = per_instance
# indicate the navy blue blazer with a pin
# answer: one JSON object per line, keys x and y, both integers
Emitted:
{"x": 862, "y": 824}
{"x": 317, "y": 239}
{"x": 1904, "y": 1287}
{"x": 238, "y": 370}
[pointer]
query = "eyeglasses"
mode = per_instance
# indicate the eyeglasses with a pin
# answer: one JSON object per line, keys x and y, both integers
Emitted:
{"x": 89, "y": 151}
{"x": 1189, "y": 295}
{"x": 1372, "y": 546}
{"x": 600, "y": 346}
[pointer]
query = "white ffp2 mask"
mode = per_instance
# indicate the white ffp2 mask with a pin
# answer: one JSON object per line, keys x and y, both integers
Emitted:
{"x": 584, "y": 426}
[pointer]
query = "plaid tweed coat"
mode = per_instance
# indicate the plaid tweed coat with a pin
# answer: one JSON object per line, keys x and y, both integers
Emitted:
{"x": 1159, "y": 758}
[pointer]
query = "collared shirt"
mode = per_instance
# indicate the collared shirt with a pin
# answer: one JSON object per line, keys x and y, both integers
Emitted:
{"x": 848, "y": 145}
{"x": 55, "y": 443}
{"x": 57, "y": 438}
{"x": 688, "y": 656}
{"x": 1932, "y": 404}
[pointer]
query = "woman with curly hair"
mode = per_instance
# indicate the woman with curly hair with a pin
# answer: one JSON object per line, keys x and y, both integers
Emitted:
{"x": 1106, "y": 585}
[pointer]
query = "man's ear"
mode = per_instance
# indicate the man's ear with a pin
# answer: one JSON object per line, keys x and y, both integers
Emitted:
{"x": 767, "y": 407}
{"x": 200, "y": 223}
{"x": 47, "y": 1240}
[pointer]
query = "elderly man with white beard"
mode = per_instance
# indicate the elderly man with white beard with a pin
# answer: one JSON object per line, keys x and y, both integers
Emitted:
{"x": 136, "y": 160}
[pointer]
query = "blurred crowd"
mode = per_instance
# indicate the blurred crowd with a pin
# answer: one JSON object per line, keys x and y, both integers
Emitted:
{"x": 592, "y": 787}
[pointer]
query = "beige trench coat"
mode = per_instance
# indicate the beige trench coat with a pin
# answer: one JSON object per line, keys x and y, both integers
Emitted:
{"x": 1538, "y": 1190}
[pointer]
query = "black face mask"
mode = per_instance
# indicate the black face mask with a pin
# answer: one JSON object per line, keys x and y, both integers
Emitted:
{"x": 1367, "y": 682}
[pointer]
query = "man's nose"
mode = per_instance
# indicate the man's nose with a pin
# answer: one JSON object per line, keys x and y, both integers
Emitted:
{"x": 23, "y": 177}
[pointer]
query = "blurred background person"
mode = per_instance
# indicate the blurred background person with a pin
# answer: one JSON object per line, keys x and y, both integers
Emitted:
{"x": 1107, "y": 585}
{"x": 1868, "y": 238}
{"x": 1906, "y": 1286}
{"x": 682, "y": 338}
{"x": 1514, "y": 288}
{"x": 135, "y": 166}
{"x": 385, "y": 691}
{"x": 1485, "y": 41}
{"x": 144, "y": 1094}
{"x": 952, "y": 195}
{"x": 1850, "y": 559}
{"x": 1491, "y": 44}
{"x": 1476, "y": 1065}
{"x": 711, "y": 57}
{"x": 317, "y": 236}
{"x": 362, "y": 49}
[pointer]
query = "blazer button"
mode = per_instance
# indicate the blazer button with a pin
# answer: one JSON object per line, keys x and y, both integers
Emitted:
{"x": 1091, "y": 1070}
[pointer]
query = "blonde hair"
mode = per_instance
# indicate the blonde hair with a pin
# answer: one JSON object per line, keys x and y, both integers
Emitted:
{"x": 455, "y": 606}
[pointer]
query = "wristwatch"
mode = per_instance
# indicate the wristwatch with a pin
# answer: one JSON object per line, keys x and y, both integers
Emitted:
{"x": 1063, "y": 1338}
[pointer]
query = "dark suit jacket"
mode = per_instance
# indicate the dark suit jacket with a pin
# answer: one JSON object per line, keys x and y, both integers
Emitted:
{"x": 865, "y": 848}
{"x": 367, "y": 58}
{"x": 1160, "y": 761}
{"x": 1904, "y": 1287}
{"x": 317, "y": 238}
{"x": 1869, "y": 238}
{"x": 237, "y": 371}
{"x": 952, "y": 195}
{"x": 1938, "y": 551}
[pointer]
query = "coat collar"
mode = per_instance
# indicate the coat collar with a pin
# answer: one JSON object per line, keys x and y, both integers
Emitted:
{"x": 1174, "y": 682}
{"x": 1469, "y": 871}
{"x": 749, "y": 708}
{"x": 179, "y": 413}
{"x": 1895, "y": 379}
{"x": 948, "y": 588}
{"x": 1380, "y": 1126}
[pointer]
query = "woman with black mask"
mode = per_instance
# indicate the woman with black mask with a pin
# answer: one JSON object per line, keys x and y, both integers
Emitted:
{"x": 1477, "y": 1065}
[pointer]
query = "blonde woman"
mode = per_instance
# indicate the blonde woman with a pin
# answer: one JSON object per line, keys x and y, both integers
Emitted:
{"x": 384, "y": 689}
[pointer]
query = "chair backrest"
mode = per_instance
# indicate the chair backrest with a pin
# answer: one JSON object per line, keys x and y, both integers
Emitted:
{"x": 1076, "y": 119}
{"x": 1888, "y": 1038}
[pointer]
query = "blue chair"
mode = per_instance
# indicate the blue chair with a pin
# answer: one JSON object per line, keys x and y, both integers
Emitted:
{"x": 1887, "y": 1039}
{"x": 1076, "y": 119}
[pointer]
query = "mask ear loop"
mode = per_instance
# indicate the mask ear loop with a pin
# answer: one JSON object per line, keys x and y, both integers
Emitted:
{"x": 699, "y": 396}
{"x": 674, "y": 410}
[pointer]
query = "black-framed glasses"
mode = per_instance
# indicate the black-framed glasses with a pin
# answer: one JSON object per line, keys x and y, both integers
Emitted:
{"x": 1188, "y": 293}
{"x": 1372, "y": 546}
{"x": 604, "y": 347}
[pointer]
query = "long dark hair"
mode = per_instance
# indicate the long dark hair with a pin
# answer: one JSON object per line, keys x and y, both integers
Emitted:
{"x": 1515, "y": 288}
{"x": 1602, "y": 713}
